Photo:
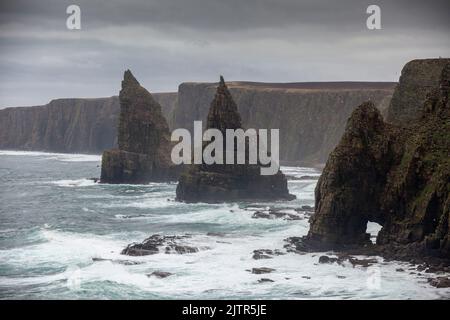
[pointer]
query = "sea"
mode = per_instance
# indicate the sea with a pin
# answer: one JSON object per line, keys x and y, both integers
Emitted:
{"x": 62, "y": 233}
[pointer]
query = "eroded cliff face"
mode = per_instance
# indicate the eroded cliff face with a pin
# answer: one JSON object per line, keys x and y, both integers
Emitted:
{"x": 68, "y": 125}
{"x": 395, "y": 174}
{"x": 63, "y": 125}
{"x": 311, "y": 116}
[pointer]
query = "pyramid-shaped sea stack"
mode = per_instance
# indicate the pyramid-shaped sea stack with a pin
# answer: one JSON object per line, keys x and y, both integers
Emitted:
{"x": 229, "y": 182}
{"x": 143, "y": 139}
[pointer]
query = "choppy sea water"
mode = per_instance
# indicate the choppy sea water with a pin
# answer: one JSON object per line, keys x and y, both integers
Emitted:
{"x": 54, "y": 221}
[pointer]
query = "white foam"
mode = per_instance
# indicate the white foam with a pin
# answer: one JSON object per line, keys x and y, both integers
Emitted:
{"x": 218, "y": 270}
{"x": 66, "y": 157}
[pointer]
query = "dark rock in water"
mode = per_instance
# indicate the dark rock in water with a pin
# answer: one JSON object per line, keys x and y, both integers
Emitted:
{"x": 140, "y": 250}
{"x": 144, "y": 146}
{"x": 353, "y": 261}
{"x": 327, "y": 259}
{"x": 153, "y": 244}
{"x": 262, "y": 280}
{"x": 262, "y": 270}
{"x": 307, "y": 208}
{"x": 440, "y": 282}
{"x": 229, "y": 182}
{"x": 181, "y": 249}
{"x": 295, "y": 245}
{"x": 400, "y": 270}
{"x": 265, "y": 253}
{"x": 100, "y": 259}
{"x": 160, "y": 274}
{"x": 394, "y": 174}
{"x": 362, "y": 262}
{"x": 275, "y": 214}
{"x": 421, "y": 267}
{"x": 306, "y": 277}
{"x": 258, "y": 256}
{"x": 436, "y": 269}
{"x": 124, "y": 262}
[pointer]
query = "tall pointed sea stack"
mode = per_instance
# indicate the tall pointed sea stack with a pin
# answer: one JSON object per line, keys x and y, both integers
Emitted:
{"x": 229, "y": 182}
{"x": 143, "y": 138}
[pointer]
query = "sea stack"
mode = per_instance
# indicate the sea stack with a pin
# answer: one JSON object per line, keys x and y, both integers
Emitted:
{"x": 143, "y": 153}
{"x": 395, "y": 174}
{"x": 228, "y": 182}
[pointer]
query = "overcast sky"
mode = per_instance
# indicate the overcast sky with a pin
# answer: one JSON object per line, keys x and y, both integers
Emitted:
{"x": 166, "y": 42}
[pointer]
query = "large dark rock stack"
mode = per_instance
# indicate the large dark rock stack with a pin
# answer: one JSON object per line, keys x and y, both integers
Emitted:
{"x": 355, "y": 174}
{"x": 396, "y": 175}
{"x": 418, "y": 77}
{"x": 143, "y": 139}
{"x": 222, "y": 182}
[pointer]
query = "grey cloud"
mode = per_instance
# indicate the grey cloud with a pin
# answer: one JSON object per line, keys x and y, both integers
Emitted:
{"x": 169, "y": 41}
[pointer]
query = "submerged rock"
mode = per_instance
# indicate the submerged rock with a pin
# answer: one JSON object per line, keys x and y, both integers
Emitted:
{"x": 262, "y": 270}
{"x": 290, "y": 177}
{"x": 307, "y": 208}
{"x": 262, "y": 280}
{"x": 153, "y": 244}
{"x": 362, "y": 262}
{"x": 394, "y": 174}
{"x": 223, "y": 182}
{"x": 144, "y": 147}
{"x": 440, "y": 282}
{"x": 160, "y": 274}
{"x": 327, "y": 259}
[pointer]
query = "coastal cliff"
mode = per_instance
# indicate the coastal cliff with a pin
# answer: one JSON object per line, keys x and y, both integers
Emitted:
{"x": 63, "y": 125}
{"x": 72, "y": 125}
{"x": 418, "y": 77}
{"x": 311, "y": 116}
{"x": 395, "y": 174}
